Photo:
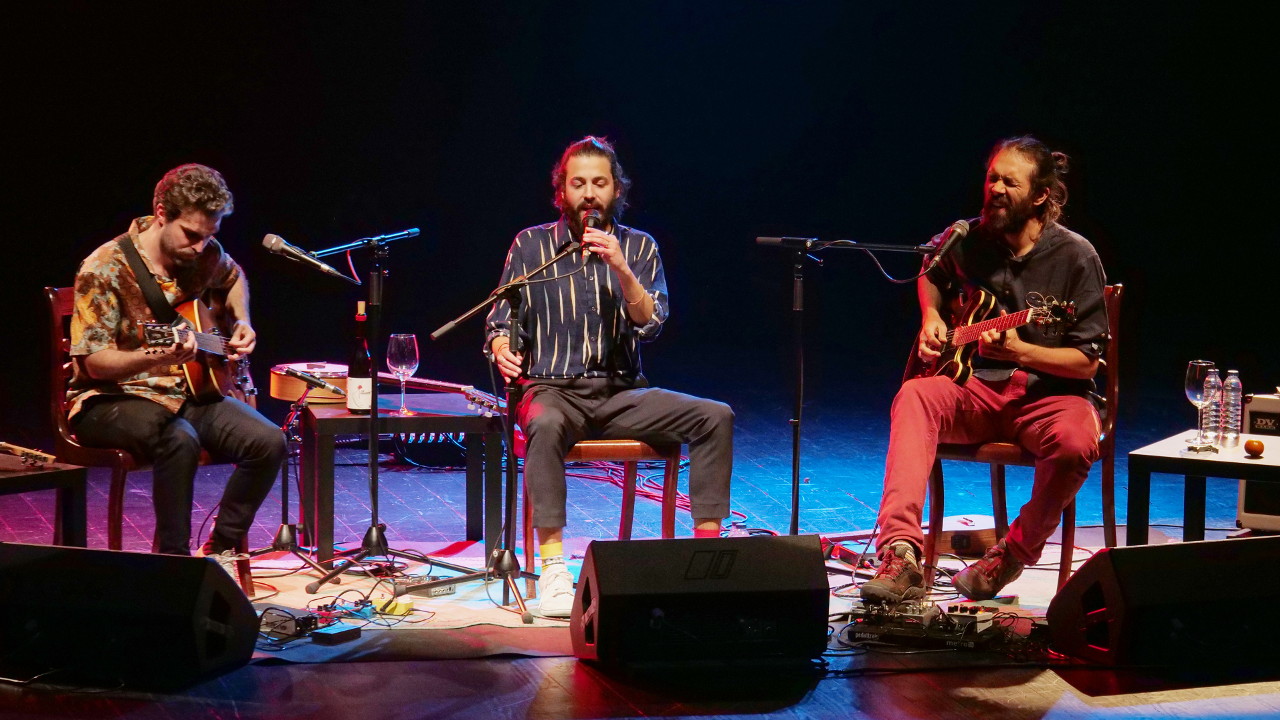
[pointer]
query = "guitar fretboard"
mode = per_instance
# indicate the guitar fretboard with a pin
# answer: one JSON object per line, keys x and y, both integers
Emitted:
{"x": 208, "y": 342}
{"x": 969, "y": 333}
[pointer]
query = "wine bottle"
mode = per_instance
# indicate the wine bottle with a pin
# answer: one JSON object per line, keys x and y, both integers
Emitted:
{"x": 360, "y": 369}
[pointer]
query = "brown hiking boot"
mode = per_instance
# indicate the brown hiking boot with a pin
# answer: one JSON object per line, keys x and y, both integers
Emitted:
{"x": 985, "y": 578}
{"x": 898, "y": 577}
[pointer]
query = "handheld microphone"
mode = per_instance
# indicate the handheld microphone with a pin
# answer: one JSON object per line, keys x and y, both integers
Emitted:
{"x": 593, "y": 220}
{"x": 277, "y": 245}
{"x": 950, "y": 237}
{"x": 314, "y": 381}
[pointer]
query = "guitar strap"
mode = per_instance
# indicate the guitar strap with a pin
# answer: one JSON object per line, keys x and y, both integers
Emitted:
{"x": 160, "y": 307}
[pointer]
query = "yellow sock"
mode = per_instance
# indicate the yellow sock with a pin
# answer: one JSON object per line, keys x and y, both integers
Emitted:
{"x": 552, "y": 552}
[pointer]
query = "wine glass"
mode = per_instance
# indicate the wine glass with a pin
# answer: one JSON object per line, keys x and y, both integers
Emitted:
{"x": 402, "y": 361}
{"x": 1197, "y": 371}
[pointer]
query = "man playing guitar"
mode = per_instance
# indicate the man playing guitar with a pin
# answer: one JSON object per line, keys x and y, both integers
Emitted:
{"x": 1029, "y": 384}
{"x": 143, "y": 398}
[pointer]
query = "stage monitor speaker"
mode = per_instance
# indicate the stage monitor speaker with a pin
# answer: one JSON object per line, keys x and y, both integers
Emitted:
{"x": 701, "y": 599}
{"x": 107, "y": 618}
{"x": 1205, "y": 603}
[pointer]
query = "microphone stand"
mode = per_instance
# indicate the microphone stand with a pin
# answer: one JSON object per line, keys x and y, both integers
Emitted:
{"x": 801, "y": 251}
{"x": 503, "y": 561}
{"x": 286, "y": 538}
{"x": 374, "y": 543}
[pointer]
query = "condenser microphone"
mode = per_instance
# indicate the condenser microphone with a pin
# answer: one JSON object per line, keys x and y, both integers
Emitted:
{"x": 277, "y": 245}
{"x": 950, "y": 237}
{"x": 314, "y": 381}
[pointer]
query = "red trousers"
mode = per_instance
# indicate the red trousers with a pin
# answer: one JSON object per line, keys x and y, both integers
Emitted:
{"x": 1060, "y": 430}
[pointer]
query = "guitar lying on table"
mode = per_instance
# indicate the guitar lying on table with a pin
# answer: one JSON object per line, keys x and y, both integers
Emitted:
{"x": 210, "y": 375}
{"x": 483, "y": 401}
{"x": 28, "y": 457}
{"x": 977, "y": 316}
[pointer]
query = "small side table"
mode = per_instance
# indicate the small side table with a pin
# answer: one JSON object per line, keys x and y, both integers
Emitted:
{"x": 70, "y": 526}
{"x": 1170, "y": 456}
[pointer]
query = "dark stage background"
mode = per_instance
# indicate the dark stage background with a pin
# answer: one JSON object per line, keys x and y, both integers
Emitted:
{"x": 839, "y": 120}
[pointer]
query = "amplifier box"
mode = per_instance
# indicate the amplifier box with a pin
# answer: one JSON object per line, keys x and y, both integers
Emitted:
{"x": 1259, "y": 505}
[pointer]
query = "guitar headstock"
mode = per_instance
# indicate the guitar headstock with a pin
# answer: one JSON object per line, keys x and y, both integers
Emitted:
{"x": 1050, "y": 313}
{"x": 29, "y": 457}
{"x": 159, "y": 335}
{"x": 483, "y": 401}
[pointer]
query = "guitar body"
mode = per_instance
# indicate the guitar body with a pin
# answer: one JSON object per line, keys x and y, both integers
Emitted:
{"x": 979, "y": 314}
{"x": 956, "y": 359}
{"x": 211, "y": 376}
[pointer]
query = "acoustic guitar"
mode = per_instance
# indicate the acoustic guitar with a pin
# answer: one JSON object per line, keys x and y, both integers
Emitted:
{"x": 976, "y": 316}
{"x": 210, "y": 375}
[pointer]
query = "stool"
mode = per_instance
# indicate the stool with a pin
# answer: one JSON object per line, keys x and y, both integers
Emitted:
{"x": 630, "y": 453}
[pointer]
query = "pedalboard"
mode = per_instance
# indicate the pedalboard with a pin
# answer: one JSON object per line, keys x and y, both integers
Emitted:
{"x": 923, "y": 624}
{"x": 421, "y": 585}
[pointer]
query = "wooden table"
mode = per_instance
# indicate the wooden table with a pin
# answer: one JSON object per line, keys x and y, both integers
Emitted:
{"x": 1170, "y": 456}
{"x": 70, "y": 518}
{"x": 440, "y": 413}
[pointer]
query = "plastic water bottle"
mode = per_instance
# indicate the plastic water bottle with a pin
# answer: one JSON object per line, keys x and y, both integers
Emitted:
{"x": 1232, "y": 400}
{"x": 1211, "y": 416}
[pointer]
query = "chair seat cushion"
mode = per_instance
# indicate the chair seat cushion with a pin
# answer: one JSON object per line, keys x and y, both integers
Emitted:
{"x": 997, "y": 453}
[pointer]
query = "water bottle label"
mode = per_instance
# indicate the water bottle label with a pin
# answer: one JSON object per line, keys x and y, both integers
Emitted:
{"x": 359, "y": 393}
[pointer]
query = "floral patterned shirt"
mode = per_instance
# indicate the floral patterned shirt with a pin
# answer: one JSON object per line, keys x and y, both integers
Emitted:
{"x": 110, "y": 308}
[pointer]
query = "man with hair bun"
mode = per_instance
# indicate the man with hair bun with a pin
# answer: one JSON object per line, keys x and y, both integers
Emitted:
{"x": 581, "y": 324}
{"x": 1031, "y": 385}
{"x": 136, "y": 398}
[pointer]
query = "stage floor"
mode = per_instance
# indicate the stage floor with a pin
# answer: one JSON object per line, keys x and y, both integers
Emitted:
{"x": 475, "y": 669}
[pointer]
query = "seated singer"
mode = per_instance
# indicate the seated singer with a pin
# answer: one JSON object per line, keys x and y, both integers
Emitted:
{"x": 129, "y": 396}
{"x": 1030, "y": 385}
{"x": 581, "y": 322}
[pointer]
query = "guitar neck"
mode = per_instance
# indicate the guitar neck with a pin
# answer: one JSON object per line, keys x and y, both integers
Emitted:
{"x": 968, "y": 333}
{"x": 209, "y": 342}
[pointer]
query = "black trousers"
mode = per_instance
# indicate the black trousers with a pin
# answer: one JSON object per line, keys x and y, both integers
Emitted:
{"x": 556, "y": 414}
{"x": 227, "y": 428}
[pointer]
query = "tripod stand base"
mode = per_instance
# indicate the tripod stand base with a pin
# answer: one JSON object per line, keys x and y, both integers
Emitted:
{"x": 286, "y": 541}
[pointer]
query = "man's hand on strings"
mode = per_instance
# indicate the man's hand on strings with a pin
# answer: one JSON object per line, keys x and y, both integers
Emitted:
{"x": 242, "y": 341}
{"x": 933, "y": 336}
{"x": 1001, "y": 345}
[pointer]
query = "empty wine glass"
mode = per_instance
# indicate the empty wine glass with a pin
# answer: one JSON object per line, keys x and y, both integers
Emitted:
{"x": 402, "y": 361}
{"x": 1197, "y": 371}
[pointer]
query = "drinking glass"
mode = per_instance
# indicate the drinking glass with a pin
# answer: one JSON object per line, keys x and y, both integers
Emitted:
{"x": 1197, "y": 371}
{"x": 402, "y": 361}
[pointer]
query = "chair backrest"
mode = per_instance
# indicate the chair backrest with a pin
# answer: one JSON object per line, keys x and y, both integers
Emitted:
{"x": 1111, "y": 297}
{"x": 61, "y": 306}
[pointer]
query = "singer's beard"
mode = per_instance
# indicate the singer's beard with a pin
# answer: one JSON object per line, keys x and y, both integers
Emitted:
{"x": 576, "y": 216}
{"x": 1007, "y": 218}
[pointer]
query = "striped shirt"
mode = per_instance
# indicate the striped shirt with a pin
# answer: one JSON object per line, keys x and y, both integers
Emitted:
{"x": 573, "y": 316}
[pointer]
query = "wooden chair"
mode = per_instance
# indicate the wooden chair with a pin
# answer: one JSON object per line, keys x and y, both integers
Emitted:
{"x": 630, "y": 453}
{"x": 65, "y": 446}
{"x": 1000, "y": 454}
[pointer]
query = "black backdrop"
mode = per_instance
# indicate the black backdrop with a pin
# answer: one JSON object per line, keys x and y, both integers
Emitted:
{"x": 337, "y": 121}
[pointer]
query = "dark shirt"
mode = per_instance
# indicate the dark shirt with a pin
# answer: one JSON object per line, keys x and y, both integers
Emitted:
{"x": 1061, "y": 266}
{"x": 573, "y": 316}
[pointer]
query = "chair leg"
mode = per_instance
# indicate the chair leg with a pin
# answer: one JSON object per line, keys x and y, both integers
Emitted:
{"x": 670, "y": 486}
{"x": 115, "y": 508}
{"x": 244, "y": 570}
{"x": 1068, "y": 543}
{"x": 530, "y": 587}
{"x": 629, "y": 471}
{"x": 1109, "y": 499}
{"x": 935, "y": 524}
{"x": 999, "y": 502}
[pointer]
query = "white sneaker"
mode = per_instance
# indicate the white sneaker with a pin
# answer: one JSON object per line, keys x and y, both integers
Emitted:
{"x": 555, "y": 591}
{"x": 227, "y": 560}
